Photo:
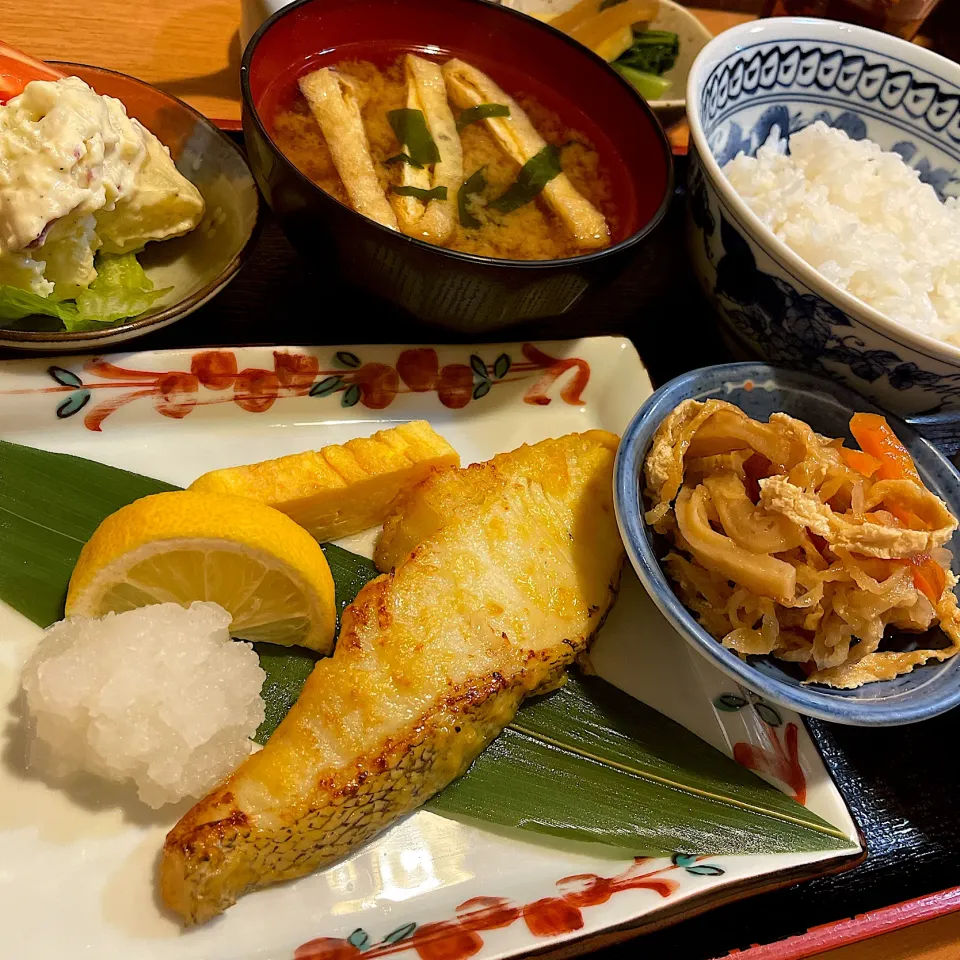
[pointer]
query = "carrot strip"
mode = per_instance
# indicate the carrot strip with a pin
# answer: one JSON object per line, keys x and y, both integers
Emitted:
{"x": 862, "y": 462}
{"x": 928, "y": 577}
{"x": 875, "y": 437}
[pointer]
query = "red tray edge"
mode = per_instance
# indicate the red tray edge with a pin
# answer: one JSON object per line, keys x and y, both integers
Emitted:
{"x": 864, "y": 926}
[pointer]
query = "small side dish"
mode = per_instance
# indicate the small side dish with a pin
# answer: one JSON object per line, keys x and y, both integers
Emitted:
{"x": 441, "y": 152}
{"x": 621, "y": 33}
{"x": 83, "y": 187}
{"x": 650, "y": 55}
{"x": 790, "y": 544}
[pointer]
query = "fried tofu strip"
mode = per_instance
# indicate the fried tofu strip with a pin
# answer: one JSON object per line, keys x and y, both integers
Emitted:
{"x": 427, "y": 93}
{"x": 333, "y": 101}
{"x": 469, "y": 87}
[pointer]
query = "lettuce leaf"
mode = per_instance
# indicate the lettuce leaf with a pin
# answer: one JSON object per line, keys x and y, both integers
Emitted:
{"x": 16, "y": 304}
{"x": 121, "y": 290}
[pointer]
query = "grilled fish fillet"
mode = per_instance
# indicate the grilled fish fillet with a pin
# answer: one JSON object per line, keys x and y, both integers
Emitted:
{"x": 520, "y": 567}
{"x": 558, "y": 465}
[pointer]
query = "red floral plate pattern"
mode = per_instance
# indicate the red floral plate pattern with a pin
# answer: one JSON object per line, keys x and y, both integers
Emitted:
{"x": 429, "y": 888}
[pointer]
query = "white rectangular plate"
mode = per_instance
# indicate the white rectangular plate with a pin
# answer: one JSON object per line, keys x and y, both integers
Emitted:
{"x": 77, "y": 865}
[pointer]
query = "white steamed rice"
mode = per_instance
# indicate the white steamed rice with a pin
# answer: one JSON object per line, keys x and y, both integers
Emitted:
{"x": 863, "y": 219}
{"x": 161, "y": 696}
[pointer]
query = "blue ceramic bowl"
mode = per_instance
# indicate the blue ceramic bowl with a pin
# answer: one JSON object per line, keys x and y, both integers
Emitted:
{"x": 760, "y": 390}
{"x": 783, "y": 74}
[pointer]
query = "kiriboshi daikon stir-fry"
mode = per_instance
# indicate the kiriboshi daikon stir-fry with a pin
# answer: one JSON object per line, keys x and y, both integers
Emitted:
{"x": 792, "y": 544}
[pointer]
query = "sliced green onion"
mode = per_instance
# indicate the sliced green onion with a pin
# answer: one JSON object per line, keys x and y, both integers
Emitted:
{"x": 534, "y": 175}
{"x": 481, "y": 111}
{"x": 437, "y": 193}
{"x": 410, "y": 127}
{"x": 403, "y": 158}
{"x": 474, "y": 184}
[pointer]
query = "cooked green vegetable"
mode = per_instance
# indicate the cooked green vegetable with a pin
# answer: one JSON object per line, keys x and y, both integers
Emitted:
{"x": 410, "y": 127}
{"x": 481, "y": 111}
{"x": 437, "y": 193}
{"x": 474, "y": 184}
{"x": 648, "y": 85}
{"x": 121, "y": 290}
{"x": 652, "y": 51}
{"x": 534, "y": 175}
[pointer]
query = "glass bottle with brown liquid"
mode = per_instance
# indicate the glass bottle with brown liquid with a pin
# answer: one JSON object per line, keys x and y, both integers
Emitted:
{"x": 902, "y": 18}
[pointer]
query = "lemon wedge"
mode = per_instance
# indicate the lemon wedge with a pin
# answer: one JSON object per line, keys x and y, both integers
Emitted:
{"x": 265, "y": 570}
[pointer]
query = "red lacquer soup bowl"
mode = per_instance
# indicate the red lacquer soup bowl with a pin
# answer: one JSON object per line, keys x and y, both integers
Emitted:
{"x": 436, "y": 284}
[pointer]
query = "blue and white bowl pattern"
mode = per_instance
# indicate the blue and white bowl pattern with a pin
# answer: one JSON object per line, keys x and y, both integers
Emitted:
{"x": 775, "y": 77}
{"x": 759, "y": 390}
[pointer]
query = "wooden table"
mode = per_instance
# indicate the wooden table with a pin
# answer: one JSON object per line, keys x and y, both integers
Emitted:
{"x": 191, "y": 48}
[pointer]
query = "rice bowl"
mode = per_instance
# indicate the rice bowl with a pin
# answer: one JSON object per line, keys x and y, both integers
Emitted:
{"x": 782, "y": 75}
{"x": 863, "y": 219}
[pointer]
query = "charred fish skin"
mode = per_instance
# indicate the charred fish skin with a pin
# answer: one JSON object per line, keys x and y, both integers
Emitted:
{"x": 432, "y": 662}
{"x": 207, "y": 865}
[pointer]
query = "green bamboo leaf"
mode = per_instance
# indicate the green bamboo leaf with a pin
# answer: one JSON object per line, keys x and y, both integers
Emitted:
{"x": 585, "y": 763}
{"x": 501, "y": 366}
{"x": 350, "y": 574}
{"x": 351, "y": 396}
{"x": 50, "y": 504}
{"x": 287, "y": 670}
{"x": 590, "y": 763}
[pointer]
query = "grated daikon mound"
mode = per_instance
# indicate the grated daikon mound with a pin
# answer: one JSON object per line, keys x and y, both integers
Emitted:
{"x": 161, "y": 696}
{"x": 863, "y": 219}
